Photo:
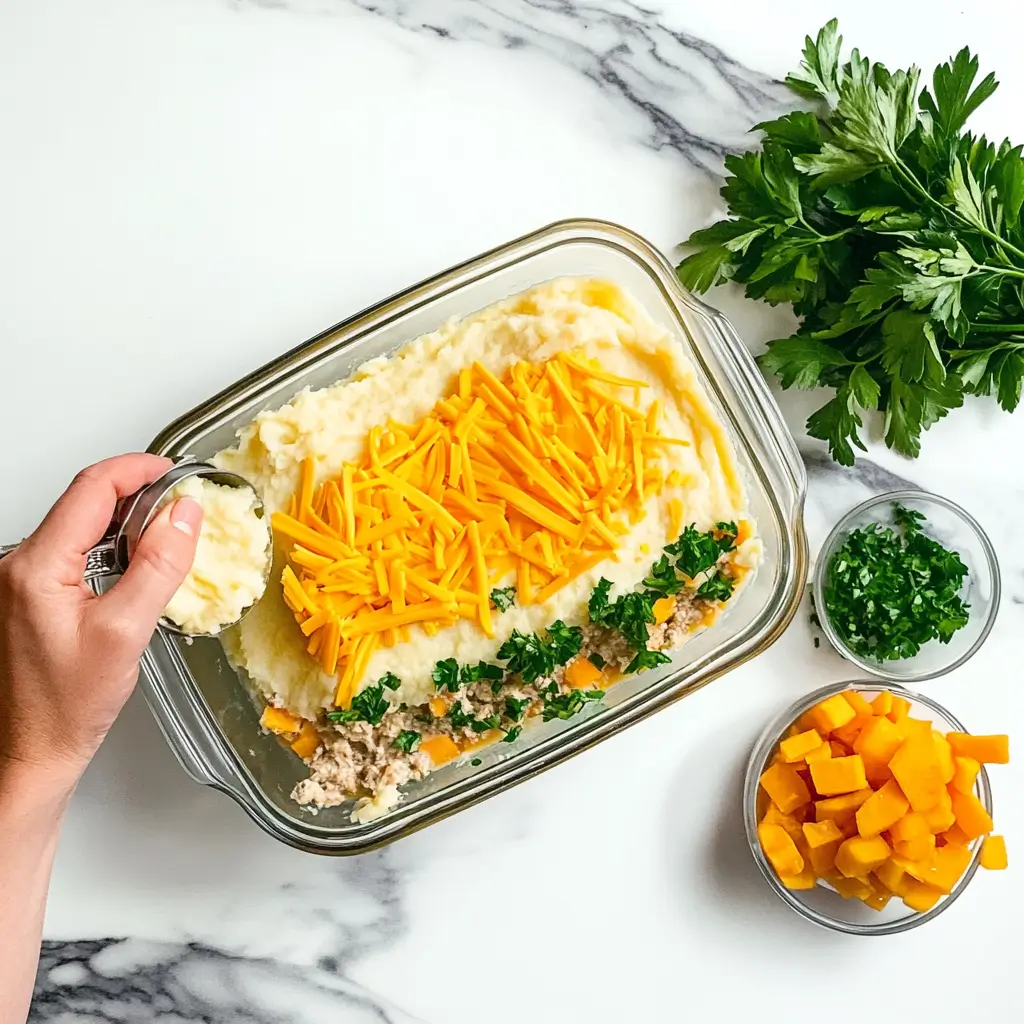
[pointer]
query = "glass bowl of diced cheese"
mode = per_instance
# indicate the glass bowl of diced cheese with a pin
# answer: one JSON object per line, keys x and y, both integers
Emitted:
{"x": 868, "y": 807}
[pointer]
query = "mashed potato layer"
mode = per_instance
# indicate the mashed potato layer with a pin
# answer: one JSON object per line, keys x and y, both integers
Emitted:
{"x": 230, "y": 568}
{"x": 592, "y": 319}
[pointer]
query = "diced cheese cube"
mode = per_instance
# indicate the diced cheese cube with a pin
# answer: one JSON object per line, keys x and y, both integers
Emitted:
{"x": 965, "y": 773}
{"x": 993, "y": 854}
{"x": 858, "y": 856}
{"x": 787, "y": 789}
{"x": 986, "y": 749}
{"x": 794, "y": 748}
{"x": 839, "y": 775}
{"x": 832, "y": 713}
{"x": 881, "y": 810}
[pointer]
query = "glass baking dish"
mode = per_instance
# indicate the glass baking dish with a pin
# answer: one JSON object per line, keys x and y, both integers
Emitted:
{"x": 207, "y": 712}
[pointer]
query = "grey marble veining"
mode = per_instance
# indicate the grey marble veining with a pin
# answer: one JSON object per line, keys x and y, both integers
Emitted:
{"x": 130, "y": 980}
{"x": 672, "y": 91}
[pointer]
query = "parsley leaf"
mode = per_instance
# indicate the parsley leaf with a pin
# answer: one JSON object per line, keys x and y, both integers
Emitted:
{"x": 596, "y": 660}
{"x": 663, "y": 578}
{"x": 369, "y": 705}
{"x": 889, "y": 591}
{"x": 716, "y": 588}
{"x": 446, "y": 675}
{"x": 485, "y": 724}
{"x": 481, "y": 670}
{"x": 390, "y": 680}
{"x": 503, "y": 598}
{"x": 514, "y": 707}
{"x": 532, "y": 656}
{"x": 895, "y": 233}
{"x": 599, "y": 605}
{"x": 646, "y": 658}
{"x": 513, "y": 734}
{"x": 407, "y": 740}
{"x": 697, "y": 552}
{"x": 565, "y": 705}
{"x": 459, "y": 717}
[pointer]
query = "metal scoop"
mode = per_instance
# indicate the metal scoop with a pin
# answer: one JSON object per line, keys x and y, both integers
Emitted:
{"x": 110, "y": 557}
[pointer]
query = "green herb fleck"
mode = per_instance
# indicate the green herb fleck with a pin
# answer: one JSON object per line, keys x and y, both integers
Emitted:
{"x": 481, "y": 670}
{"x": 532, "y": 656}
{"x": 512, "y": 734}
{"x": 485, "y": 724}
{"x": 663, "y": 579}
{"x": 596, "y": 660}
{"x": 514, "y": 708}
{"x": 446, "y": 675}
{"x": 716, "y": 588}
{"x": 889, "y": 591}
{"x": 503, "y": 598}
{"x": 476, "y": 762}
{"x": 390, "y": 680}
{"x": 646, "y": 658}
{"x": 369, "y": 705}
{"x": 459, "y": 717}
{"x": 407, "y": 740}
{"x": 565, "y": 705}
{"x": 697, "y": 552}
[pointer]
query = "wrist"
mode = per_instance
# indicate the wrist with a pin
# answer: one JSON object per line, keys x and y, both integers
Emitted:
{"x": 35, "y": 794}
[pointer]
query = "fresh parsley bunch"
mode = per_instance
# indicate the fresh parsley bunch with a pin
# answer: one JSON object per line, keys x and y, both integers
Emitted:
{"x": 896, "y": 235}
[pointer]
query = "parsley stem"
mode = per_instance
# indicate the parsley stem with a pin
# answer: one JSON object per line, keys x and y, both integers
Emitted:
{"x": 993, "y": 329}
{"x": 910, "y": 179}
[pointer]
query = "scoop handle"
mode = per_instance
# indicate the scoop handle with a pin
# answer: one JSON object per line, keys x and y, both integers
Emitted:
{"x": 100, "y": 560}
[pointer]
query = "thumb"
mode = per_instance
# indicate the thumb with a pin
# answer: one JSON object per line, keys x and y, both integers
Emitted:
{"x": 158, "y": 567}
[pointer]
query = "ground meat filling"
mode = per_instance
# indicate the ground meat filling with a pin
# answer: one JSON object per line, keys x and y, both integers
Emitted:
{"x": 360, "y": 760}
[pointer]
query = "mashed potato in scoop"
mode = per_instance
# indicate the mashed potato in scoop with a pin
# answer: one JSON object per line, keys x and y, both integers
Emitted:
{"x": 229, "y": 572}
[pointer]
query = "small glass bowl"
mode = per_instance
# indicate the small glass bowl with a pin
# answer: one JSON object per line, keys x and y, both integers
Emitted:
{"x": 822, "y": 904}
{"x": 954, "y": 529}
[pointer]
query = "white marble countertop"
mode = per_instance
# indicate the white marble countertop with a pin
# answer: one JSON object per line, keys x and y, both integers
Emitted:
{"x": 190, "y": 187}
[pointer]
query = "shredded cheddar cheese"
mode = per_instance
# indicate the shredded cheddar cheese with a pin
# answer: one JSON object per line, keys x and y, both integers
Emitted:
{"x": 535, "y": 476}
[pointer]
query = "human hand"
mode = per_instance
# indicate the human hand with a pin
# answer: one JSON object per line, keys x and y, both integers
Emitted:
{"x": 68, "y": 658}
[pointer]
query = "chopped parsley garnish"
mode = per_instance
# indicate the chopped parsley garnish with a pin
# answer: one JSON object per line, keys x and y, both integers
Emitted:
{"x": 458, "y": 716}
{"x": 532, "y": 656}
{"x": 503, "y": 598}
{"x": 596, "y": 660}
{"x": 630, "y": 614}
{"x": 407, "y": 740}
{"x": 512, "y": 734}
{"x": 481, "y": 670}
{"x": 446, "y": 675}
{"x": 476, "y": 762}
{"x": 716, "y": 588}
{"x": 646, "y": 658}
{"x": 565, "y": 705}
{"x": 514, "y": 707}
{"x": 390, "y": 680}
{"x": 599, "y": 605}
{"x": 697, "y": 552}
{"x": 888, "y": 591}
{"x": 369, "y": 705}
{"x": 663, "y": 579}
{"x": 485, "y": 724}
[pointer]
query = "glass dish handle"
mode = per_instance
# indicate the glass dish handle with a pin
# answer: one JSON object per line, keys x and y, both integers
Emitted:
{"x": 100, "y": 560}
{"x": 766, "y": 404}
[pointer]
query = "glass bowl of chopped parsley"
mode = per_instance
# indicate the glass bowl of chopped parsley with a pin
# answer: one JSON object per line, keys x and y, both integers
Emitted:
{"x": 907, "y": 586}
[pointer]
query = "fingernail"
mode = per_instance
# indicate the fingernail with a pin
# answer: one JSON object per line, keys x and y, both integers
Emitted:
{"x": 186, "y": 515}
